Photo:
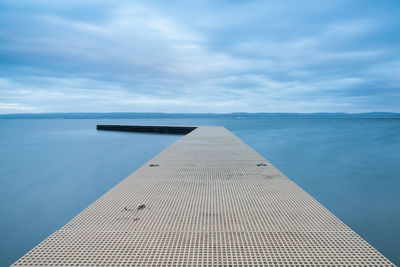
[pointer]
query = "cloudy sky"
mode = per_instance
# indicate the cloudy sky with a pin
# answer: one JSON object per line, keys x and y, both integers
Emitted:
{"x": 199, "y": 56}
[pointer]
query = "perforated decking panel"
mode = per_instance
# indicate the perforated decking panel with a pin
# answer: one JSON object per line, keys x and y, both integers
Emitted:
{"x": 207, "y": 202}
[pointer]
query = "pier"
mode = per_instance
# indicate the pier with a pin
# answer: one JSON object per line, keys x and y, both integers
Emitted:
{"x": 206, "y": 200}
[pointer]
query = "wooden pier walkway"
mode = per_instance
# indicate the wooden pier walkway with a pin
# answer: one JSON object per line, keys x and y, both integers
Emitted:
{"x": 207, "y": 200}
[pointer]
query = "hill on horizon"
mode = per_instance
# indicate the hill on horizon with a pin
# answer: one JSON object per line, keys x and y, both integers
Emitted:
{"x": 127, "y": 115}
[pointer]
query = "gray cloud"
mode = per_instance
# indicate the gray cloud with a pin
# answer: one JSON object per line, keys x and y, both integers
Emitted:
{"x": 198, "y": 57}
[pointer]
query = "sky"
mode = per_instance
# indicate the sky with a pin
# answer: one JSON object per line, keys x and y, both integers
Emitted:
{"x": 199, "y": 56}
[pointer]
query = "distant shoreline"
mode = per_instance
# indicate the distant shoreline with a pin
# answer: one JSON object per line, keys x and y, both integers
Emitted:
{"x": 132, "y": 115}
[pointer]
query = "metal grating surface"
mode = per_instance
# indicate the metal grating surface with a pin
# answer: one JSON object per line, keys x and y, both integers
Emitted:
{"x": 206, "y": 203}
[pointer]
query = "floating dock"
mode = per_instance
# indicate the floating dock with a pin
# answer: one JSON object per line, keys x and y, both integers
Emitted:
{"x": 207, "y": 200}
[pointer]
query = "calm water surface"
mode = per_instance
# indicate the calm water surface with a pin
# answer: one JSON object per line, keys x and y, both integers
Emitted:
{"x": 50, "y": 170}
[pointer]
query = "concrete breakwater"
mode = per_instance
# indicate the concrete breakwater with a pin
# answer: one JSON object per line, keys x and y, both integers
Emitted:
{"x": 147, "y": 128}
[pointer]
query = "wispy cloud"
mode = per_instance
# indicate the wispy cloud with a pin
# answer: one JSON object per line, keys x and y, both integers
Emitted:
{"x": 199, "y": 57}
{"x": 15, "y": 108}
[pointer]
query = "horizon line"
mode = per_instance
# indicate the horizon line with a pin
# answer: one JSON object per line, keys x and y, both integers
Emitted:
{"x": 216, "y": 113}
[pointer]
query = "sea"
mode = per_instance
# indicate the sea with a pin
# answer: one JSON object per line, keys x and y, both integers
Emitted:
{"x": 52, "y": 169}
